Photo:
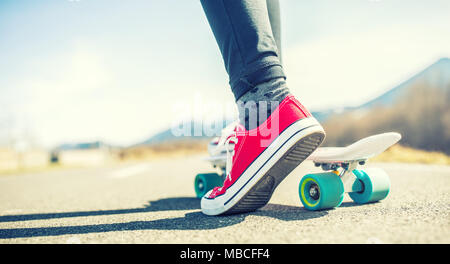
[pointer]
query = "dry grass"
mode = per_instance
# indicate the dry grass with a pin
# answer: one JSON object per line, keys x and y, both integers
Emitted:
{"x": 403, "y": 154}
{"x": 38, "y": 169}
{"x": 164, "y": 150}
{"x": 396, "y": 153}
{"x": 421, "y": 116}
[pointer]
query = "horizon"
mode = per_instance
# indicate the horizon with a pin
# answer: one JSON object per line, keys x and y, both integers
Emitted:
{"x": 197, "y": 122}
{"x": 80, "y": 71}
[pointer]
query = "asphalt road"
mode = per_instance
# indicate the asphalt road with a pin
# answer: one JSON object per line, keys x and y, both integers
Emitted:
{"x": 154, "y": 203}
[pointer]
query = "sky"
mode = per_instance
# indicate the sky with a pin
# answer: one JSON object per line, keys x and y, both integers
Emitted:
{"x": 120, "y": 71}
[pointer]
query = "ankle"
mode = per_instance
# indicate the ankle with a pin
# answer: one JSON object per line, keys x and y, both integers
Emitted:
{"x": 256, "y": 105}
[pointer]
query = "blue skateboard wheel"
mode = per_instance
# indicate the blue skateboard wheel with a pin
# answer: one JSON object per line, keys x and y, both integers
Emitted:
{"x": 375, "y": 185}
{"x": 321, "y": 191}
{"x": 204, "y": 182}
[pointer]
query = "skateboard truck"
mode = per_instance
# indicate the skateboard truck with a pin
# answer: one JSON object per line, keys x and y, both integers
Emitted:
{"x": 350, "y": 181}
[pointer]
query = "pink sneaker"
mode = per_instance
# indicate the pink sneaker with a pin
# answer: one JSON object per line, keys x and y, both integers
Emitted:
{"x": 259, "y": 159}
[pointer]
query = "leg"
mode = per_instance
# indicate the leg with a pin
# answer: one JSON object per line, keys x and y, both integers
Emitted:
{"x": 258, "y": 155}
{"x": 273, "y": 6}
{"x": 245, "y": 32}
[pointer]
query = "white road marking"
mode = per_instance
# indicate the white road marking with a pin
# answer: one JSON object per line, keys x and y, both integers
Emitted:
{"x": 73, "y": 240}
{"x": 130, "y": 171}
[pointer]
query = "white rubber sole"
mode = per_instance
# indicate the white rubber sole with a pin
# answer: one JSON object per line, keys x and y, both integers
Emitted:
{"x": 255, "y": 186}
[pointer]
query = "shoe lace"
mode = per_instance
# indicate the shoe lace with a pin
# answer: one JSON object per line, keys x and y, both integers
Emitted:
{"x": 229, "y": 139}
{"x": 230, "y": 144}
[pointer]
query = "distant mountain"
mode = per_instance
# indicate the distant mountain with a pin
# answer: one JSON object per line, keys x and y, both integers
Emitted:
{"x": 347, "y": 124}
{"x": 189, "y": 130}
{"x": 418, "y": 108}
{"x": 82, "y": 145}
{"x": 435, "y": 75}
